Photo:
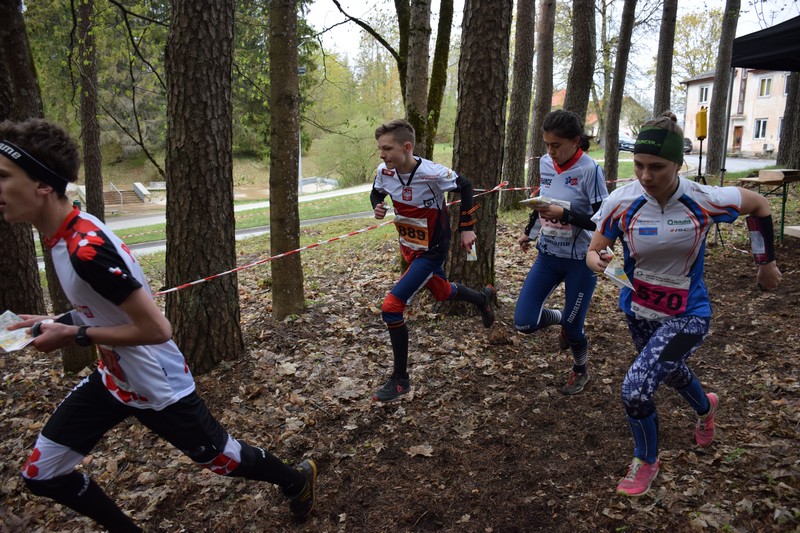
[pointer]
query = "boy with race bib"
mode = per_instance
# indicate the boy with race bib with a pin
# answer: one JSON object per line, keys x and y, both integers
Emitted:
{"x": 417, "y": 188}
{"x": 141, "y": 373}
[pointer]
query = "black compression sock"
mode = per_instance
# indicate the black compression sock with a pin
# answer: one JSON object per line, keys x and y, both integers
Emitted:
{"x": 398, "y": 334}
{"x": 464, "y": 293}
{"x": 83, "y": 495}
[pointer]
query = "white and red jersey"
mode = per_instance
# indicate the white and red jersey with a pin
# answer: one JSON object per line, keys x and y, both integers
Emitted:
{"x": 420, "y": 206}
{"x": 581, "y": 182}
{"x": 664, "y": 249}
{"x": 97, "y": 273}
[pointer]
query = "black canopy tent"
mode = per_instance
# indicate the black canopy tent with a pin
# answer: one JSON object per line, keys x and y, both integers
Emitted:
{"x": 774, "y": 48}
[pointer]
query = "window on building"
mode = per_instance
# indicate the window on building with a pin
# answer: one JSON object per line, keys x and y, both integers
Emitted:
{"x": 764, "y": 87}
{"x": 703, "y": 94}
{"x": 760, "y": 129}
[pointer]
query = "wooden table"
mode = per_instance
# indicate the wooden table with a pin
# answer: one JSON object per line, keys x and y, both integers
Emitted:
{"x": 778, "y": 180}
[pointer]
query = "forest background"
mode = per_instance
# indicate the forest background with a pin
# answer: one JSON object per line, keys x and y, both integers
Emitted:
{"x": 350, "y": 82}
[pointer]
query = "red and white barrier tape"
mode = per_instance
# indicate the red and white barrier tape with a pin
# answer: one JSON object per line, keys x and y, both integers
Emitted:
{"x": 301, "y": 249}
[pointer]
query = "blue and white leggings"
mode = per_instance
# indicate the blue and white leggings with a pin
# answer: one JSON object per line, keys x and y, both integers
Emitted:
{"x": 663, "y": 349}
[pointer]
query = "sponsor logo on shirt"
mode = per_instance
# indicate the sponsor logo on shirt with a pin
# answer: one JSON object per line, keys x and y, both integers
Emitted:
{"x": 428, "y": 177}
{"x": 84, "y": 310}
{"x": 429, "y": 202}
{"x": 648, "y": 231}
{"x": 387, "y": 172}
{"x": 680, "y": 230}
{"x": 571, "y": 181}
{"x": 682, "y": 222}
{"x": 545, "y": 181}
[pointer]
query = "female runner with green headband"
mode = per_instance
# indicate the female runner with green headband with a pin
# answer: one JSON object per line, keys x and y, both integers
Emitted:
{"x": 662, "y": 221}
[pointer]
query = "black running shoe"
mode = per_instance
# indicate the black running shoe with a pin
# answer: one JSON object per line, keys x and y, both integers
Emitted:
{"x": 302, "y": 504}
{"x": 487, "y": 309}
{"x": 392, "y": 390}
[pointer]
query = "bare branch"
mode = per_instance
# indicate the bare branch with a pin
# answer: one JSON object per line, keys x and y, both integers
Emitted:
{"x": 369, "y": 29}
{"x": 127, "y": 12}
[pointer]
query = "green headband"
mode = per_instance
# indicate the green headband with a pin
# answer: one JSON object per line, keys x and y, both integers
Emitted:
{"x": 658, "y": 141}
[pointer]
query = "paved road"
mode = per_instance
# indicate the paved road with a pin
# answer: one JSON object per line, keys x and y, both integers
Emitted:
{"x": 136, "y": 221}
{"x": 732, "y": 164}
{"x": 144, "y": 248}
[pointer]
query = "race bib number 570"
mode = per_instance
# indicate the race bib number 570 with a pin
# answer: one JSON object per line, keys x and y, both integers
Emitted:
{"x": 658, "y": 296}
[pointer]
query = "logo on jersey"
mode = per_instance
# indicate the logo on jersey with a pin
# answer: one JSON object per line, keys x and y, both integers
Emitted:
{"x": 117, "y": 271}
{"x": 407, "y": 194}
{"x": 648, "y": 231}
{"x": 387, "y": 172}
{"x": 546, "y": 181}
{"x": 571, "y": 181}
{"x": 682, "y": 222}
{"x": 83, "y": 309}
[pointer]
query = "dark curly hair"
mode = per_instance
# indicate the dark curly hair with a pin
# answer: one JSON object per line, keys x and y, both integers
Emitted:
{"x": 49, "y": 143}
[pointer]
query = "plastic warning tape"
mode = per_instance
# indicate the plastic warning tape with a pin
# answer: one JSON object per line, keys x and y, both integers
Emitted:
{"x": 302, "y": 249}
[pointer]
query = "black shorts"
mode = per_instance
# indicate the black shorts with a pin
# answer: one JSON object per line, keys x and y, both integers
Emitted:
{"x": 89, "y": 411}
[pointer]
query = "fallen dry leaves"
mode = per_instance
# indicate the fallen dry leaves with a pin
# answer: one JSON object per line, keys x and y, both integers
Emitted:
{"x": 484, "y": 443}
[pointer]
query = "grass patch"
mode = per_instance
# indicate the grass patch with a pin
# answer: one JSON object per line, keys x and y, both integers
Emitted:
{"x": 328, "y": 207}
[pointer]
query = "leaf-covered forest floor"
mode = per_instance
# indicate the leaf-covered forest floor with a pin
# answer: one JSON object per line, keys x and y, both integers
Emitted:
{"x": 485, "y": 443}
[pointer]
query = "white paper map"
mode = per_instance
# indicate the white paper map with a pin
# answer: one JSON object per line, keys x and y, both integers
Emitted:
{"x": 541, "y": 201}
{"x": 13, "y": 340}
{"x": 615, "y": 271}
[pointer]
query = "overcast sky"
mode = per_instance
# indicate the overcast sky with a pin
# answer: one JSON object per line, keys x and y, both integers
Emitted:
{"x": 345, "y": 38}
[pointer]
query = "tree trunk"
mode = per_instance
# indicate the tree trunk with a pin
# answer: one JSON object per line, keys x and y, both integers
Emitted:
{"x": 27, "y": 103}
{"x": 438, "y": 74}
{"x": 419, "y": 36}
{"x": 611, "y": 164}
{"x": 543, "y": 99}
{"x": 20, "y": 288}
{"x": 791, "y": 121}
{"x": 793, "y": 128}
{"x": 666, "y": 44}
{"x": 718, "y": 107}
{"x": 403, "y": 20}
{"x": 519, "y": 113}
{"x": 601, "y": 101}
{"x": 584, "y": 57}
{"x": 284, "y": 219}
{"x": 480, "y": 127}
{"x": 87, "y": 64}
{"x": 200, "y": 222}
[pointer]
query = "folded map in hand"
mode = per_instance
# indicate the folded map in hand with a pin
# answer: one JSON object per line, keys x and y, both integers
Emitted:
{"x": 13, "y": 340}
{"x": 544, "y": 201}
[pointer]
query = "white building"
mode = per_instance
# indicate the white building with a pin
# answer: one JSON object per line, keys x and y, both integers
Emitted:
{"x": 757, "y": 106}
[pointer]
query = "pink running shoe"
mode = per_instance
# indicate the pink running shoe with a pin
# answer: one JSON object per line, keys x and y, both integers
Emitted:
{"x": 704, "y": 429}
{"x": 638, "y": 479}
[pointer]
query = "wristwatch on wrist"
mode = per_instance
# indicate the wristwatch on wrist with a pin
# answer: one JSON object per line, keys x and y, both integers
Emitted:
{"x": 81, "y": 338}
